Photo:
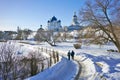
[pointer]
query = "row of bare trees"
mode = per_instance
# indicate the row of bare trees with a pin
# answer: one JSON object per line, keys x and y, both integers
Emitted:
{"x": 16, "y": 66}
{"x": 47, "y": 36}
{"x": 23, "y": 34}
{"x": 52, "y": 37}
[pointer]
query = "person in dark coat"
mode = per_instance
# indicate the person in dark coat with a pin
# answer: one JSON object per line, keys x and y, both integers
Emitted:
{"x": 69, "y": 55}
{"x": 72, "y": 54}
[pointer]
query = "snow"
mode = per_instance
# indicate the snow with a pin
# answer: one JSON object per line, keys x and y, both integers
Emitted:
{"x": 117, "y": 67}
{"x": 103, "y": 66}
{"x": 64, "y": 70}
{"x": 97, "y": 63}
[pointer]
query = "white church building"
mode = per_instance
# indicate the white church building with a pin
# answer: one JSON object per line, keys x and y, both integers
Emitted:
{"x": 54, "y": 24}
{"x": 75, "y": 24}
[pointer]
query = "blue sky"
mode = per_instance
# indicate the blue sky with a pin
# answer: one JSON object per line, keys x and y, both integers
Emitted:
{"x": 32, "y": 13}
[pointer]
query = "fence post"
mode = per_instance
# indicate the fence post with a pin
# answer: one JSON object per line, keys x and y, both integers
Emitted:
{"x": 57, "y": 55}
{"x": 50, "y": 60}
{"x": 53, "y": 53}
{"x": 42, "y": 65}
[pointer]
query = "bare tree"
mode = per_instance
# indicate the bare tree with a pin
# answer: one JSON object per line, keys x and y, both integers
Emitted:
{"x": 23, "y": 34}
{"x": 26, "y": 33}
{"x": 36, "y": 62}
{"x": 10, "y": 64}
{"x": 33, "y": 64}
{"x": 104, "y": 14}
{"x": 47, "y": 36}
{"x": 19, "y": 35}
{"x": 13, "y": 65}
{"x": 7, "y": 60}
{"x": 64, "y": 34}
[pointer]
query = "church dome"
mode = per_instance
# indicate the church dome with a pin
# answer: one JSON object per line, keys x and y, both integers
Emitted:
{"x": 74, "y": 16}
{"x": 40, "y": 29}
{"x": 48, "y": 21}
{"x": 59, "y": 20}
{"x": 53, "y": 19}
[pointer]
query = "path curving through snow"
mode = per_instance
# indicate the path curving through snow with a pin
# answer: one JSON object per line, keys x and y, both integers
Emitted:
{"x": 63, "y": 70}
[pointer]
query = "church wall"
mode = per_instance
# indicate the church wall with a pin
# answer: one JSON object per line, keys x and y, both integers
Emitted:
{"x": 54, "y": 25}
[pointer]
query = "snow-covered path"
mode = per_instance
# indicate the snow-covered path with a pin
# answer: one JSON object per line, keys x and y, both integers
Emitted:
{"x": 96, "y": 62}
{"x": 63, "y": 70}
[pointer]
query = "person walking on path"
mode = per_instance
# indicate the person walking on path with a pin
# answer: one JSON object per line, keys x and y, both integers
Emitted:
{"x": 72, "y": 54}
{"x": 69, "y": 55}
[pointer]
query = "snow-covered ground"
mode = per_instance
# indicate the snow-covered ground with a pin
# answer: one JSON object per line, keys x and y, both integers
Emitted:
{"x": 97, "y": 63}
{"x": 63, "y": 70}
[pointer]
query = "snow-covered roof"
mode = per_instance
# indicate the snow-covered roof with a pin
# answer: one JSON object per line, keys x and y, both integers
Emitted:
{"x": 74, "y": 27}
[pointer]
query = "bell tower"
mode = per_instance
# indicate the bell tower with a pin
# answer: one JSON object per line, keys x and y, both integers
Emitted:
{"x": 75, "y": 20}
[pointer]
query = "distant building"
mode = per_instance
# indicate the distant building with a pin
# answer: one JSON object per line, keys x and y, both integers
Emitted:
{"x": 40, "y": 29}
{"x": 54, "y": 24}
{"x": 75, "y": 24}
{"x": 9, "y": 35}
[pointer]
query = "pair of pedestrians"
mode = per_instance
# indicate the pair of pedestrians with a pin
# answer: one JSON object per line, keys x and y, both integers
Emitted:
{"x": 72, "y": 53}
